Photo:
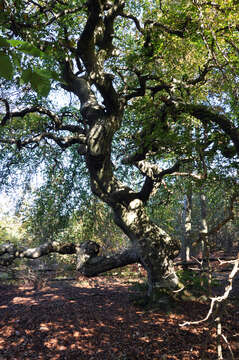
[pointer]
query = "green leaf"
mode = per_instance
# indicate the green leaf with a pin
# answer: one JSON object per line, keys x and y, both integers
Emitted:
{"x": 16, "y": 59}
{"x": 44, "y": 73}
{"x": 6, "y": 68}
{"x": 44, "y": 88}
{"x": 39, "y": 79}
{"x": 4, "y": 43}
{"x": 25, "y": 47}
{"x": 40, "y": 83}
{"x": 31, "y": 50}
{"x": 15, "y": 43}
{"x": 26, "y": 75}
{"x": 48, "y": 74}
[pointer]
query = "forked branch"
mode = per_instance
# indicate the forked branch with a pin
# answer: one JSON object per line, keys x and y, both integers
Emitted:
{"x": 219, "y": 299}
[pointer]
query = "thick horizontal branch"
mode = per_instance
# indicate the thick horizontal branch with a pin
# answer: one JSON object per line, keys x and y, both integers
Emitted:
{"x": 31, "y": 110}
{"x": 72, "y": 128}
{"x": 154, "y": 175}
{"x": 141, "y": 90}
{"x": 168, "y": 87}
{"x": 10, "y": 252}
{"x": 205, "y": 114}
{"x": 93, "y": 265}
{"x": 57, "y": 120}
{"x": 155, "y": 172}
{"x": 88, "y": 262}
{"x": 192, "y": 175}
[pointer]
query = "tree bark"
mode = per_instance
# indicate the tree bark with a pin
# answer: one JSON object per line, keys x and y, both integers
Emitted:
{"x": 186, "y": 243}
{"x": 206, "y": 267}
{"x": 155, "y": 249}
{"x": 89, "y": 264}
{"x": 204, "y": 231}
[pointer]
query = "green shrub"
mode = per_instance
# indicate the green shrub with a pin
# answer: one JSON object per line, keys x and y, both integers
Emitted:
{"x": 195, "y": 282}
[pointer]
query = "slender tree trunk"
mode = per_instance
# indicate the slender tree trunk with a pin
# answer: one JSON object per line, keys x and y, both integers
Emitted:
{"x": 206, "y": 268}
{"x": 187, "y": 217}
{"x": 204, "y": 227}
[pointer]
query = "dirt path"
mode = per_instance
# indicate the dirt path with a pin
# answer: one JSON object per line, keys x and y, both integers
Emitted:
{"x": 95, "y": 320}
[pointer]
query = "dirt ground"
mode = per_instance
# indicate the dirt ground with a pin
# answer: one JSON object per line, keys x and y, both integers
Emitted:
{"x": 94, "y": 319}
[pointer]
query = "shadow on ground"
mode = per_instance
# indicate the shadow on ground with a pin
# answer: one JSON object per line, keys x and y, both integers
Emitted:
{"x": 95, "y": 320}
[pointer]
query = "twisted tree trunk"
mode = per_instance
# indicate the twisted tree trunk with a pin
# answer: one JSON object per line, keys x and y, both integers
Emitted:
{"x": 87, "y": 79}
{"x": 151, "y": 246}
{"x": 155, "y": 249}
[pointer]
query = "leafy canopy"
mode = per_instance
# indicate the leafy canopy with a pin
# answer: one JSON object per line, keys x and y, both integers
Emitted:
{"x": 173, "y": 65}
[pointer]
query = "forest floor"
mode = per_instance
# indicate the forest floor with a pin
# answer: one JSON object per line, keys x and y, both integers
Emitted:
{"x": 95, "y": 319}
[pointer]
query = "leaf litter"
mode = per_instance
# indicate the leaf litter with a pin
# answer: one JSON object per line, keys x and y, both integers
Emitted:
{"x": 94, "y": 319}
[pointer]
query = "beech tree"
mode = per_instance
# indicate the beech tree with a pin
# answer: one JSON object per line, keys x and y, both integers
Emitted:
{"x": 155, "y": 89}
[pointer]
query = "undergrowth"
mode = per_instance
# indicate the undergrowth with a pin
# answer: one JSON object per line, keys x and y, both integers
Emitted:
{"x": 194, "y": 287}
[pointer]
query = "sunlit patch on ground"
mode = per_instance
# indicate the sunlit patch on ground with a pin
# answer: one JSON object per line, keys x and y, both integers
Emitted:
{"x": 24, "y": 300}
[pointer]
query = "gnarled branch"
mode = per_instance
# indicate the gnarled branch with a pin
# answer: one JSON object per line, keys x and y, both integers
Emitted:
{"x": 206, "y": 114}
{"x": 88, "y": 261}
{"x": 10, "y": 252}
{"x": 61, "y": 141}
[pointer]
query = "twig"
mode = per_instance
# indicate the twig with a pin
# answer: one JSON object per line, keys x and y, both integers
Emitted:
{"x": 218, "y": 299}
{"x": 228, "y": 345}
{"x": 199, "y": 262}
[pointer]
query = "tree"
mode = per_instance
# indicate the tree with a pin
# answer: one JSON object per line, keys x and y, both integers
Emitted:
{"x": 186, "y": 248}
{"x": 140, "y": 94}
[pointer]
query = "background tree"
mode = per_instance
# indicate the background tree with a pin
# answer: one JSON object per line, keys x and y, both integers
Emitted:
{"x": 139, "y": 95}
